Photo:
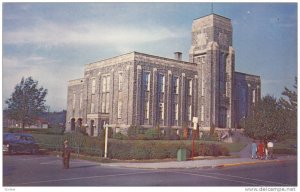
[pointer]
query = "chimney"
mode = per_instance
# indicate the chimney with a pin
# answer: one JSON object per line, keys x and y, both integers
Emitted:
{"x": 178, "y": 56}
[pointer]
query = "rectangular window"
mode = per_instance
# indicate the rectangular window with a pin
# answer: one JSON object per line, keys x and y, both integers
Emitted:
{"x": 105, "y": 94}
{"x": 202, "y": 113}
{"x": 176, "y": 112}
{"x": 93, "y": 86}
{"x": 104, "y": 84}
{"x": 92, "y": 108}
{"x": 161, "y": 111}
{"x": 161, "y": 83}
{"x": 190, "y": 113}
{"x": 107, "y": 104}
{"x": 103, "y": 104}
{"x": 107, "y": 83}
{"x": 120, "y": 81}
{"x": 202, "y": 81}
{"x": 146, "y": 81}
{"x": 203, "y": 59}
{"x": 74, "y": 100}
{"x": 190, "y": 87}
{"x": 119, "y": 110}
{"x": 253, "y": 96}
{"x": 176, "y": 85}
{"x": 80, "y": 101}
{"x": 147, "y": 110}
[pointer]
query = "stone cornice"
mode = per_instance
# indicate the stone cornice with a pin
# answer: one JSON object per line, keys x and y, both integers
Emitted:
{"x": 76, "y": 82}
{"x": 136, "y": 56}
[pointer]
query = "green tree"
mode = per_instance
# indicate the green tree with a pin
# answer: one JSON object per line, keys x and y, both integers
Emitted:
{"x": 267, "y": 120}
{"x": 26, "y": 102}
{"x": 289, "y": 104}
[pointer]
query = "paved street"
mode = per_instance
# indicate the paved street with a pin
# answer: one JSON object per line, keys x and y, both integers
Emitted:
{"x": 38, "y": 170}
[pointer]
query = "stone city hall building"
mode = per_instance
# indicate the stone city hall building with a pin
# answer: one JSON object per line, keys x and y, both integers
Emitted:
{"x": 145, "y": 91}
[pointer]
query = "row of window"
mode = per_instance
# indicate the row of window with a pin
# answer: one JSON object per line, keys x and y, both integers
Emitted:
{"x": 161, "y": 84}
{"x": 105, "y": 96}
{"x": 105, "y": 108}
{"x": 146, "y": 83}
{"x": 80, "y": 100}
{"x": 175, "y": 112}
{"x": 161, "y": 89}
{"x": 106, "y": 83}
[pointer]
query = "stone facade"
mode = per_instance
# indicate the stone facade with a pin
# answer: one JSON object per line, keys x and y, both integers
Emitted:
{"x": 247, "y": 94}
{"x": 149, "y": 91}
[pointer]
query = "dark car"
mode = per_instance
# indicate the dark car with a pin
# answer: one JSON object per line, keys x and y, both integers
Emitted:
{"x": 19, "y": 143}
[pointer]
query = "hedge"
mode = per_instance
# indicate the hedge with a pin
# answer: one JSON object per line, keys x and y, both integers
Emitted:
{"x": 141, "y": 150}
{"x": 128, "y": 149}
{"x": 287, "y": 151}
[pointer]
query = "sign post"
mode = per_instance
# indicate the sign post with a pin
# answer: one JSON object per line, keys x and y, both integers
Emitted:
{"x": 106, "y": 138}
{"x": 195, "y": 121}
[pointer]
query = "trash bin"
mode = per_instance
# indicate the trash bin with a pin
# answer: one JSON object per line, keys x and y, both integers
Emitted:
{"x": 181, "y": 155}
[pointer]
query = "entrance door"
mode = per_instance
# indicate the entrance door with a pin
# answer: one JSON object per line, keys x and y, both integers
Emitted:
{"x": 73, "y": 124}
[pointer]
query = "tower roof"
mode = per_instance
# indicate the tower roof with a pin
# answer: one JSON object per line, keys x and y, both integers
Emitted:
{"x": 213, "y": 15}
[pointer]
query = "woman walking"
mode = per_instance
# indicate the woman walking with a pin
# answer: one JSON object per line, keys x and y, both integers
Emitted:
{"x": 261, "y": 150}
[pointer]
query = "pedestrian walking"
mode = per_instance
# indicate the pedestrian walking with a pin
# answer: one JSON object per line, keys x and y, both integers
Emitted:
{"x": 254, "y": 150}
{"x": 266, "y": 150}
{"x": 261, "y": 150}
{"x": 66, "y": 154}
{"x": 270, "y": 149}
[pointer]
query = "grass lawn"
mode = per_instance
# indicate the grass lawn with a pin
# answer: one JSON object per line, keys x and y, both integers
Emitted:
{"x": 287, "y": 146}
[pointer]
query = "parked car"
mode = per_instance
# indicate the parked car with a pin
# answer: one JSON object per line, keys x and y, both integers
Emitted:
{"x": 19, "y": 143}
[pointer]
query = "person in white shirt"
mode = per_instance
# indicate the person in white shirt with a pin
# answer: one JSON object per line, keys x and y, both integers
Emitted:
{"x": 270, "y": 146}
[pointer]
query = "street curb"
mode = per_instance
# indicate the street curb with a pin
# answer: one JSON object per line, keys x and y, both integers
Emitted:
{"x": 248, "y": 163}
{"x": 202, "y": 167}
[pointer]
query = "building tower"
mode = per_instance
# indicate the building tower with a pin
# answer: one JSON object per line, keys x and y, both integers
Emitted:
{"x": 212, "y": 51}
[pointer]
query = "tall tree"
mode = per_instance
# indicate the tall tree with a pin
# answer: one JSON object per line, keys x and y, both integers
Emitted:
{"x": 267, "y": 120}
{"x": 26, "y": 102}
{"x": 289, "y": 102}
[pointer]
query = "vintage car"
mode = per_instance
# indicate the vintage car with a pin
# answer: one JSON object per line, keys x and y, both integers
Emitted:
{"x": 19, "y": 143}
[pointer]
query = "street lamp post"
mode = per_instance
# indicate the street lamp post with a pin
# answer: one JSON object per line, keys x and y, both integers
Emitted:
{"x": 106, "y": 138}
{"x": 195, "y": 121}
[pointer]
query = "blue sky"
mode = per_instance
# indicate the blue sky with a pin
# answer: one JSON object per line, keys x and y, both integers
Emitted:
{"x": 53, "y": 41}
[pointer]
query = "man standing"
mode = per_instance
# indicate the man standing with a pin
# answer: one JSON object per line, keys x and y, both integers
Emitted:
{"x": 270, "y": 148}
{"x": 66, "y": 154}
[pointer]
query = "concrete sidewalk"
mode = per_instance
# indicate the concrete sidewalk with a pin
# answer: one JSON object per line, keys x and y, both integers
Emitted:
{"x": 207, "y": 163}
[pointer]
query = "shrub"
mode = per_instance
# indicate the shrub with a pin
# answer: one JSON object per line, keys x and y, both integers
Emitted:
{"x": 152, "y": 134}
{"x": 207, "y": 137}
{"x": 120, "y": 136}
{"x": 212, "y": 150}
{"x": 140, "y": 137}
{"x": 143, "y": 149}
{"x": 289, "y": 151}
{"x": 132, "y": 132}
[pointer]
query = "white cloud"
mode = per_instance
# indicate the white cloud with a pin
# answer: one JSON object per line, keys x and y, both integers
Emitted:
{"x": 47, "y": 72}
{"x": 53, "y": 34}
{"x": 51, "y": 70}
